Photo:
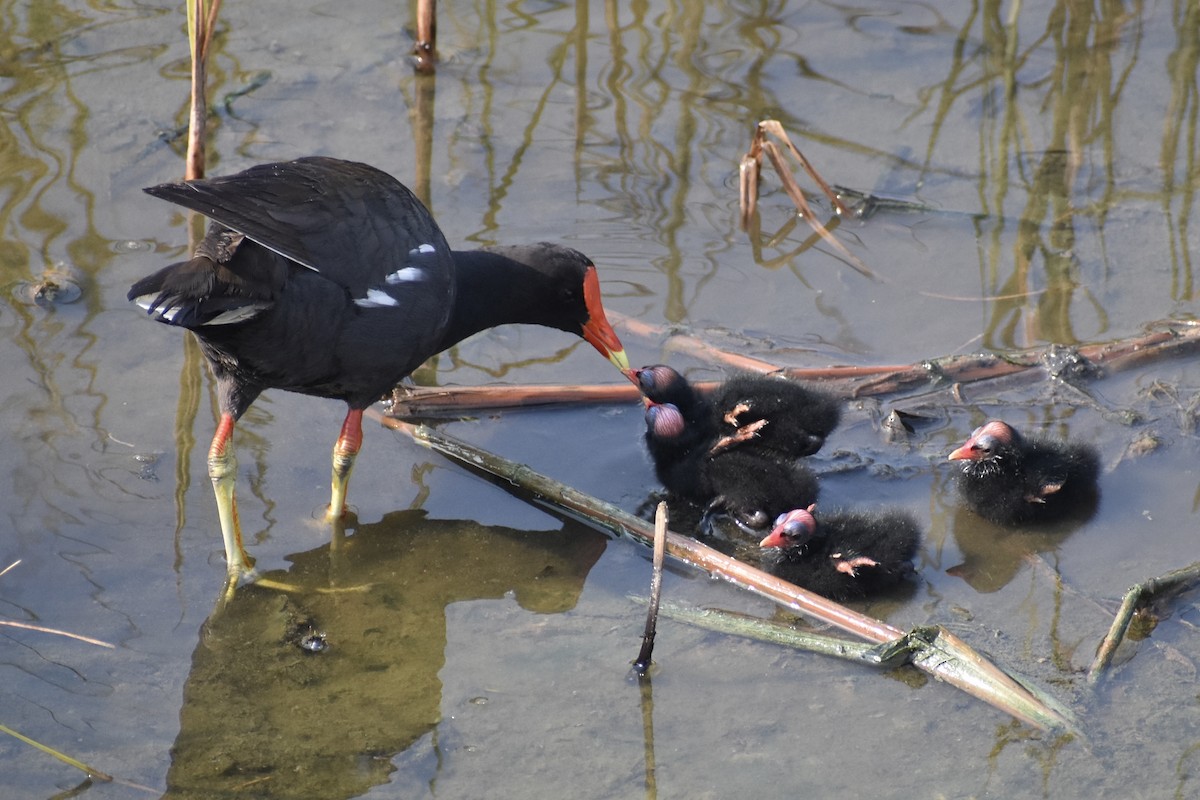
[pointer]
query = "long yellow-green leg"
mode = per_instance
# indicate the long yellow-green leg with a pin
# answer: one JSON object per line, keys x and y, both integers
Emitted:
{"x": 222, "y": 469}
{"x": 344, "y": 453}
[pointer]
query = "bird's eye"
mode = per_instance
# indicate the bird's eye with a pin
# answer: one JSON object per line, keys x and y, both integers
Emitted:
{"x": 986, "y": 445}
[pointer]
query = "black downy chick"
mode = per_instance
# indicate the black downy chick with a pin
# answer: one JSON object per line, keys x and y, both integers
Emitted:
{"x": 1010, "y": 479}
{"x": 844, "y": 555}
{"x": 751, "y": 487}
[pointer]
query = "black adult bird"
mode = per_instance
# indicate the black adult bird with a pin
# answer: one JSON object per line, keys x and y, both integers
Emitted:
{"x": 751, "y": 487}
{"x": 768, "y": 412}
{"x": 845, "y": 555}
{"x": 330, "y": 278}
{"x": 1011, "y": 479}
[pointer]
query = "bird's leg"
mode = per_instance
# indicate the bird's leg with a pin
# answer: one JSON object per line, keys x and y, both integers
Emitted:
{"x": 344, "y": 453}
{"x": 222, "y": 470}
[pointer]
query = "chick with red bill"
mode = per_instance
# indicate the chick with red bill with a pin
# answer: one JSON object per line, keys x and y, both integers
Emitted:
{"x": 844, "y": 555}
{"x": 1012, "y": 479}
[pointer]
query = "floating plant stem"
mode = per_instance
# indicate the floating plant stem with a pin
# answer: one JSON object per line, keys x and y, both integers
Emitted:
{"x": 90, "y": 771}
{"x": 1137, "y": 596}
{"x": 1161, "y": 340}
{"x": 884, "y": 656}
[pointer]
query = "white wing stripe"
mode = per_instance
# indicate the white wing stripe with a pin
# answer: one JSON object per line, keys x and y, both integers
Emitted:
{"x": 407, "y": 275}
{"x": 376, "y": 298}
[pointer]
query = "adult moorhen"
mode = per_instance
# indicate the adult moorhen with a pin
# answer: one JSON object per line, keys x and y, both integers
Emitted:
{"x": 772, "y": 413}
{"x": 750, "y": 486}
{"x": 330, "y": 278}
{"x": 1010, "y": 479}
{"x": 845, "y": 555}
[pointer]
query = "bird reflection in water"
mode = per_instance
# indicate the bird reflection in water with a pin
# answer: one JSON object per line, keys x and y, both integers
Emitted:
{"x": 994, "y": 554}
{"x": 264, "y": 714}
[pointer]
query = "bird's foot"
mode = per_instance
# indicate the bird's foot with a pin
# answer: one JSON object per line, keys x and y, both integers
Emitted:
{"x": 850, "y": 566}
{"x": 1044, "y": 491}
{"x": 742, "y": 434}
{"x": 735, "y": 412}
{"x": 238, "y": 572}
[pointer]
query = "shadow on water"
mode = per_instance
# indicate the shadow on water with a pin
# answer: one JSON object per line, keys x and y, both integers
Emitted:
{"x": 263, "y": 714}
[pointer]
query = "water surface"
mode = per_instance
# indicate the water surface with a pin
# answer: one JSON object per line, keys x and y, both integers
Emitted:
{"x": 479, "y": 646}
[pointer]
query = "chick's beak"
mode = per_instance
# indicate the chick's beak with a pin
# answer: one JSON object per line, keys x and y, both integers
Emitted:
{"x": 776, "y": 538}
{"x": 965, "y": 452}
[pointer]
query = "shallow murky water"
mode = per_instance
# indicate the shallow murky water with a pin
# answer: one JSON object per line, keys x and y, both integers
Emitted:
{"x": 479, "y": 646}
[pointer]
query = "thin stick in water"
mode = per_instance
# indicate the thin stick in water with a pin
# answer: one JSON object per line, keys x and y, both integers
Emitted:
{"x": 642, "y": 664}
{"x": 90, "y": 771}
{"x": 42, "y": 629}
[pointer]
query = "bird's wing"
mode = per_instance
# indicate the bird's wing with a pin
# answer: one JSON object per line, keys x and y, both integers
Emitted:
{"x": 352, "y": 223}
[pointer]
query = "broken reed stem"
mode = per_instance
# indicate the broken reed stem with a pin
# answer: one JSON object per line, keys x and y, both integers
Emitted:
{"x": 200, "y": 30}
{"x": 1172, "y": 338}
{"x": 88, "y": 770}
{"x": 198, "y": 108}
{"x": 797, "y": 195}
{"x": 748, "y": 174}
{"x": 210, "y": 25}
{"x": 776, "y": 129}
{"x": 750, "y": 170}
{"x": 42, "y": 629}
{"x": 931, "y": 649}
{"x": 422, "y": 400}
{"x": 1116, "y": 635}
{"x": 718, "y": 621}
{"x": 1137, "y": 596}
{"x": 425, "y": 50}
{"x": 642, "y": 664}
{"x": 788, "y": 180}
{"x": 944, "y": 656}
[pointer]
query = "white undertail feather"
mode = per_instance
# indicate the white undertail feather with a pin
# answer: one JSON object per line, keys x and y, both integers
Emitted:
{"x": 167, "y": 313}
